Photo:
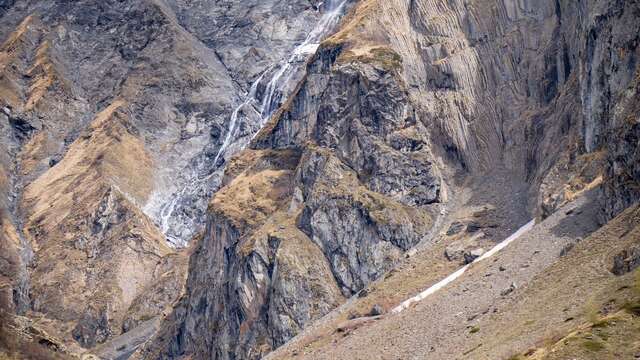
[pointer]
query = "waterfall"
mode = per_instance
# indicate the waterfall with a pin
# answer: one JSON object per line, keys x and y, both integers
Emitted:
{"x": 233, "y": 122}
{"x": 174, "y": 213}
{"x": 274, "y": 91}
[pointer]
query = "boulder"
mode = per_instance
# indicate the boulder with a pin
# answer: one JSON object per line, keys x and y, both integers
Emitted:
{"x": 376, "y": 310}
{"x": 455, "y": 228}
{"x": 464, "y": 250}
{"x": 509, "y": 290}
{"x": 471, "y": 256}
{"x": 626, "y": 261}
{"x": 455, "y": 251}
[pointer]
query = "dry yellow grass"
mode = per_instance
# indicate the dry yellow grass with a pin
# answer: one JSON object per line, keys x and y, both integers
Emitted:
{"x": 34, "y": 151}
{"x": 44, "y": 76}
{"x": 108, "y": 153}
{"x": 261, "y": 185}
{"x": 18, "y": 65}
{"x": 586, "y": 308}
{"x": 354, "y": 25}
{"x": 9, "y": 47}
{"x": 10, "y": 92}
{"x": 102, "y": 176}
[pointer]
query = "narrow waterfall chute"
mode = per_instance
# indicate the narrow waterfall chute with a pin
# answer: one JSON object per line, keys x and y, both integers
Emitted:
{"x": 171, "y": 211}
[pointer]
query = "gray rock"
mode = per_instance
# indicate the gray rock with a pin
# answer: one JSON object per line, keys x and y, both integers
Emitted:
{"x": 473, "y": 227}
{"x": 455, "y": 228}
{"x": 376, "y": 310}
{"x": 509, "y": 290}
{"x": 626, "y": 261}
{"x": 455, "y": 251}
{"x": 471, "y": 256}
{"x": 518, "y": 86}
{"x": 92, "y": 329}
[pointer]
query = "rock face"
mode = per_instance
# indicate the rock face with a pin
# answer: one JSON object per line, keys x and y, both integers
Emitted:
{"x": 626, "y": 261}
{"x": 89, "y": 54}
{"x": 622, "y": 171}
{"x": 95, "y": 251}
{"x": 244, "y": 43}
{"x": 117, "y": 119}
{"x": 266, "y": 277}
{"x": 343, "y": 196}
{"x": 111, "y": 114}
{"x": 401, "y": 98}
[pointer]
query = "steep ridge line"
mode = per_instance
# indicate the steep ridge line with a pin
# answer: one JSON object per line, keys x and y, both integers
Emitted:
{"x": 444, "y": 282}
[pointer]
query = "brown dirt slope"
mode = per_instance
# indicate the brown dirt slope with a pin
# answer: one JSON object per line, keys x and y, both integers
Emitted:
{"x": 527, "y": 300}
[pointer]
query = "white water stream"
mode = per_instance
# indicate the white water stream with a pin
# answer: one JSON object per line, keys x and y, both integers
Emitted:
{"x": 444, "y": 282}
{"x": 273, "y": 95}
{"x": 281, "y": 78}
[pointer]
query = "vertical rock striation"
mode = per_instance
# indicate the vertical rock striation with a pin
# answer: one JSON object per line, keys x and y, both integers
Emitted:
{"x": 405, "y": 103}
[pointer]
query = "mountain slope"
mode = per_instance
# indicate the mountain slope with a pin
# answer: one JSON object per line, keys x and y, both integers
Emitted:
{"x": 111, "y": 115}
{"x": 418, "y": 115}
{"x": 320, "y": 168}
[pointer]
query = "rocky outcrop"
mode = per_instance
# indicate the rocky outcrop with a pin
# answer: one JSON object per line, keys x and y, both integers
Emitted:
{"x": 251, "y": 36}
{"x": 361, "y": 232}
{"x": 265, "y": 278}
{"x": 345, "y": 176}
{"x": 288, "y": 225}
{"x": 626, "y": 261}
{"x": 407, "y": 95}
{"x": 111, "y": 115}
{"x": 94, "y": 251}
{"x": 511, "y": 84}
{"x": 622, "y": 168}
{"x": 64, "y": 62}
{"x": 377, "y": 134}
{"x": 118, "y": 117}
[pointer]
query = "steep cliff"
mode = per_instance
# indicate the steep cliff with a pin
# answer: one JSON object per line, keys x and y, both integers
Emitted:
{"x": 410, "y": 116}
{"x": 111, "y": 115}
{"x": 324, "y": 168}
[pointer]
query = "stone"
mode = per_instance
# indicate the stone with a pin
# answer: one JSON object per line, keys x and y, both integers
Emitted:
{"x": 566, "y": 249}
{"x": 455, "y": 228}
{"x": 455, "y": 251}
{"x": 376, "y": 310}
{"x": 508, "y": 290}
{"x": 471, "y": 256}
{"x": 473, "y": 226}
{"x": 626, "y": 261}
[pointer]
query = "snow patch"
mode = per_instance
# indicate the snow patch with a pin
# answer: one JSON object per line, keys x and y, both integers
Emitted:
{"x": 444, "y": 282}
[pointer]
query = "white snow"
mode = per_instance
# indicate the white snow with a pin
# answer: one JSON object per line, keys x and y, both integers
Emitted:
{"x": 444, "y": 282}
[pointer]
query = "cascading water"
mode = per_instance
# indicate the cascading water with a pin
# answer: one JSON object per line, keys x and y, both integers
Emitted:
{"x": 180, "y": 215}
{"x": 276, "y": 87}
